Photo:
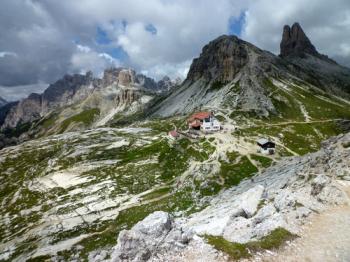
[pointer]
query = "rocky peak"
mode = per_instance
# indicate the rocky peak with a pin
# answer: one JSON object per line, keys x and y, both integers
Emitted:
{"x": 166, "y": 79}
{"x": 146, "y": 82}
{"x": 68, "y": 84}
{"x": 166, "y": 83}
{"x": 126, "y": 77}
{"x": 295, "y": 42}
{"x": 110, "y": 76}
{"x": 220, "y": 60}
{"x": 120, "y": 75}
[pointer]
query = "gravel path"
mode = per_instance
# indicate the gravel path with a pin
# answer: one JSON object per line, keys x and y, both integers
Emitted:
{"x": 326, "y": 238}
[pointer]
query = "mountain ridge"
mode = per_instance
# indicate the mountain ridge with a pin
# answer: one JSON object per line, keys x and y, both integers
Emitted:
{"x": 228, "y": 62}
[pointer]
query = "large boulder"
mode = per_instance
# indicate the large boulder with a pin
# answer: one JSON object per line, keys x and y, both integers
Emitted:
{"x": 251, "y": 200}
{"x": 142, "y": 240}
{"x": 156, "y": 233}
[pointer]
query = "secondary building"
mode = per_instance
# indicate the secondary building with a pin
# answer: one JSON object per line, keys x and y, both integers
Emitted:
{"x": 204, "y": 121}
{"x": 265, "y": 146}
{"x": 173, "y": 135}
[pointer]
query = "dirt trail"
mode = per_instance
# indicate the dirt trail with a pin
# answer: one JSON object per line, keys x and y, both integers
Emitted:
{"x": 291, "y": 122}
{"x": 326, "y": 238}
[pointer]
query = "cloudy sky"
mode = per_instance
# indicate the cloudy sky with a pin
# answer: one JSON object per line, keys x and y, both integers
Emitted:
{"x": 41, "y": 40}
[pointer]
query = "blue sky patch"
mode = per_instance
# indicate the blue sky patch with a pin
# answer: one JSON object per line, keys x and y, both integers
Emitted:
{"x": 118, "y": 53}
{"x": 236, "y": 24}
{"x": 151, "y": 28}
{"x": 102, "y": 37}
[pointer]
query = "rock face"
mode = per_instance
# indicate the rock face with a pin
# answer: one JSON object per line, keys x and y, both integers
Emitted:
{"x": 64, "y": 92}
{"x": 167, "y": 84}
{"x": 295, "y": 42}
{"x": 27, "y": 110}
{"x": 220, "y": 60}
{"x": 156, "y": 232}
{"x": 228, "y": 72}
{"x": 311, "y": 66}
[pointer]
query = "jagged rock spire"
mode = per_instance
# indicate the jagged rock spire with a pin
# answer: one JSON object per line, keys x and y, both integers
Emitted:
{"x": 295, "y": 42}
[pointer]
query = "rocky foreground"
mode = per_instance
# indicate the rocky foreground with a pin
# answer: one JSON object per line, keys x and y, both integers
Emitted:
{"x": 283, "y": 197}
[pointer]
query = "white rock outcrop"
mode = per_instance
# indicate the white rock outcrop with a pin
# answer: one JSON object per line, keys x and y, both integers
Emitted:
{"x": 156, "y": 232}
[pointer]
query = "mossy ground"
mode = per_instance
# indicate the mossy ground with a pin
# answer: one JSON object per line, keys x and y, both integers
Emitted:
{"x": 85, "y": 117}
{"x": 239, "y": 251}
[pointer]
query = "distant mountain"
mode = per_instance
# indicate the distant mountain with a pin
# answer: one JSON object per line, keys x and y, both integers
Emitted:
{"x": 232, "y": 73}
{"x": 2, "y": 102}
{"x": 118, "y": 88}
{"x": 81, "y": 101}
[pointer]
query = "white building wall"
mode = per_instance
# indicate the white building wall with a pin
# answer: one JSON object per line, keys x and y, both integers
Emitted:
{"x": 212, "y": 125}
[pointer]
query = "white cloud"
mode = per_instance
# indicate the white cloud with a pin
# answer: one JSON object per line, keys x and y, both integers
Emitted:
{"x": 86, "y": 59}
{"x": 182, "y": 27}
{"x": 327, "y": 24}
{"x": 4, "y": 53}
{"x": 174, "y": 70}
{"x": 18, "y": 92}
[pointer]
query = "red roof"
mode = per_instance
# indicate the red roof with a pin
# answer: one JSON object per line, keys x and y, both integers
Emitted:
{"x": 195, "y": 123}
{"x": 173, "y": 133}
{"x": 199, "y": 115}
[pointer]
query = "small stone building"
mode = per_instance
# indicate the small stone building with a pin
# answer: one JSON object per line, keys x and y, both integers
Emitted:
{"x": 265, "y": 146}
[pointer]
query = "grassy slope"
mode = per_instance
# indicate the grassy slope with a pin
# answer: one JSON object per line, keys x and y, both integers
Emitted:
{"x": 238, "y": 251}
{"x": 290, "y": 126}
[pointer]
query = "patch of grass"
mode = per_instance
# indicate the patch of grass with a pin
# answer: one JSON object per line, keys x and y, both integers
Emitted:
{"x": 157, "y": 193}
{"x": 263, "y": 161}
{"x": 286, "y": 107}
{"x": 236, "y": 87}
{"x": 18, "y": 130}
{"x": 243, "y": 114}
{"x": 216, "y": 85}
{"x": 235, "y": 173}
{"x": 121, "y": 120}
{"x": 165, "y": 125}
{"x": 346, "y": 144}
{"x": 86, "y": 117}
{"x": 301, "y": 138}
{"x": 272, "y": 241}
{"x": 234, "y": 250}
{"x": 239, "y": 251}
{"x": 209, "y": 188}
{"x": 220, "y": 118}
{"x": 323, "y": 106}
